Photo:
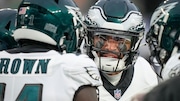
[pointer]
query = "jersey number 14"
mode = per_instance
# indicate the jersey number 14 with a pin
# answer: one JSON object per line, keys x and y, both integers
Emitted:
{"x": 30, "y": 92}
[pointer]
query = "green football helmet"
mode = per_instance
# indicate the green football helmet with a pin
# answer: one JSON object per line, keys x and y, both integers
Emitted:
{"x": 55, "y": 22}
{"x": 119, "y": 19}
{"x": 7, "y": 26}
{"x": 163, "y": 36}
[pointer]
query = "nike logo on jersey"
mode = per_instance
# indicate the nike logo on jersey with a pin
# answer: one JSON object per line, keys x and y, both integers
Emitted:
{"x": 23, "y": 66}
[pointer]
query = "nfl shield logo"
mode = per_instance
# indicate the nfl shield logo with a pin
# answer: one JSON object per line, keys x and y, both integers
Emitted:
{"x": 117, "y": 94}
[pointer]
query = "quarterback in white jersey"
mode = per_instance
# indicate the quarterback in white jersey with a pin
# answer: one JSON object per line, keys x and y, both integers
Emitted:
{"x": 48, "y": 65}
{"x": 114, "y": 35}
{"x": 135, "y": 80}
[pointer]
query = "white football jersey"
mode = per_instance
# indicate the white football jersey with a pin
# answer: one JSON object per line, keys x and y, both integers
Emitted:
{"x": 172, "y": 67}
{"x": 47, "y": 76}
{"x": 143, "y": 80}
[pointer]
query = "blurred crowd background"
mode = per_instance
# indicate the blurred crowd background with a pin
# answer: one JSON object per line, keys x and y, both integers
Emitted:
{"x": 146, "y": 7}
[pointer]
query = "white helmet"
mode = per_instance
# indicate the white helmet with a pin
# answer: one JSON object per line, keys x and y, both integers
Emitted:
{"x": 119, "y": 19}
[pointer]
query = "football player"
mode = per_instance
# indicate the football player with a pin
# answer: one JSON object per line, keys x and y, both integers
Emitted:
{"x": 48, "y": 66}
{"x": 164, "y": 40}
{"x": 115, "y": 30}
{"x": 164, "y": 44}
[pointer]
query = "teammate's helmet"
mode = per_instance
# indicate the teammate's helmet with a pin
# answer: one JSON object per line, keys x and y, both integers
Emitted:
{"x": 163, "y": 35}
{"x": 7, "y": 26}
{"x": 55, "y": 22}
{"x": 120, "y": 20}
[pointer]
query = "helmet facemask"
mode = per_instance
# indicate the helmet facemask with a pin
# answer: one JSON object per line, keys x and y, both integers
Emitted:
{"x": 111, "y": 49}
{"x": 163, "y": 35}
{"x": 162, "y": 47}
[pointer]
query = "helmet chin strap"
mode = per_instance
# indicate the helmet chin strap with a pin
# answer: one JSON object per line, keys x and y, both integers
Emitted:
{"x": 109, "y": 65}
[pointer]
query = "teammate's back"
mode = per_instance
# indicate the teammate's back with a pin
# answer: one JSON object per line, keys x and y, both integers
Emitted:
{"x": 47, "y": 65}
{"x": 44, "y": 76}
